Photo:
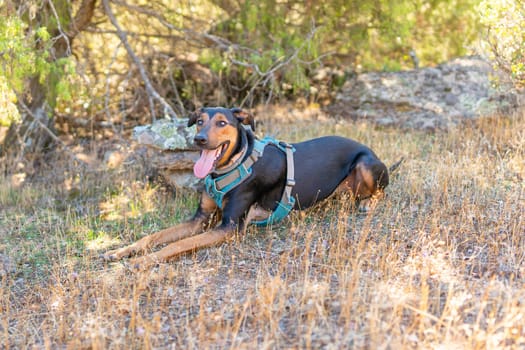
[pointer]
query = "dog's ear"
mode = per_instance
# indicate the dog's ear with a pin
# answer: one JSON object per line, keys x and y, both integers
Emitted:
{"x": 243, "y": 117}
{"x": 192, "y": 118}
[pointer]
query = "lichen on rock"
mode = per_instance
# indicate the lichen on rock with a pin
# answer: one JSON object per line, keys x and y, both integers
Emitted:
{"x": 428, "y": 98}
{"x": 170, "y": 150}
{"x": 164, "y": 134}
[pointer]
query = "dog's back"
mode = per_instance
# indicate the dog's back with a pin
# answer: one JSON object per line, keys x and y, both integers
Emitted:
{"x": 322, "y": 165}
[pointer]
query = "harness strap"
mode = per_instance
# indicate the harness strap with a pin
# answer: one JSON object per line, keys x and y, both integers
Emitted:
{"x": 290, "y": 174}
{"x": 287, "y": 200}
{"x": 237, "y": 158}
{"x": 227, "y": 182}
{"x": 218, "y": 187}
{"x": 237, "y": 173}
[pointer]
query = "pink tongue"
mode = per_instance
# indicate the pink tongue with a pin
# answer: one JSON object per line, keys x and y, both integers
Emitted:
{"x": 204, "y": 165}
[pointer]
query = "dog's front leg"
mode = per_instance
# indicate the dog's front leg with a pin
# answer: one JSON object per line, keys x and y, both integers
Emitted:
{"x": 233, "y": 218}
{"x": 187, "y": 245}
{"x": 197, "y": 224}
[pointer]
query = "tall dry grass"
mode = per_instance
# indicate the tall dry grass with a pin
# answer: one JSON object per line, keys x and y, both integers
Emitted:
{"x": 440, "y": 263}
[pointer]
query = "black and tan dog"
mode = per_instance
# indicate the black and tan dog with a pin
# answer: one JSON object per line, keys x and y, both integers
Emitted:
{"x": 320, "y": 167}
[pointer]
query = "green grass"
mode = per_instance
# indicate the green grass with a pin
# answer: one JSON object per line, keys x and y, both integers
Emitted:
{"x": 439, "y": 263}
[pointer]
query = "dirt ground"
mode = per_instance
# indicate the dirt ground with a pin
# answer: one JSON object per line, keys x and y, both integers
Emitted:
{"x": 439, "y": 263}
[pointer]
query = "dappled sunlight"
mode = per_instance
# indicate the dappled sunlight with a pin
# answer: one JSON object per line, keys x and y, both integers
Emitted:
{"x": 517, "y": 166}
{"x": 130, "y": 202}
{"x": 437, "y": 264}
{"x": 101, "y": 242}
{"x": 15, "y": 192}
{"x": 116, "y": 208}
{"x": 431, "y": 262}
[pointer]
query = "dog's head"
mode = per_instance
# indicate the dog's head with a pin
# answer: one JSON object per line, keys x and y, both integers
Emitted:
{"x": 217, "y": 136}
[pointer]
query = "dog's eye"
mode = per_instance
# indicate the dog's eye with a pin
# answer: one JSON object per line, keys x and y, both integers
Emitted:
{"x": 200, "y": 122}
{"x": 221, "y": 123}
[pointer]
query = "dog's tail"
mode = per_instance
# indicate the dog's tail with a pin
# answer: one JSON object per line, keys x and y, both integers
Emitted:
{"x": 395, "y": 166}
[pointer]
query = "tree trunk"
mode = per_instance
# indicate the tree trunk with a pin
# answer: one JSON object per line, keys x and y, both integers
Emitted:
{"x": 28, "y": 136}
{"x": 35, "y": 132}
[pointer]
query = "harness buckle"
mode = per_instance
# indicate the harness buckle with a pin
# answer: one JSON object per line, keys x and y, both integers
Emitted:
{"x": 213, "y": 191}
{"x": 285, "y": 145}
{"x": 218, "y": 187}
{"x": 243, "y": 172}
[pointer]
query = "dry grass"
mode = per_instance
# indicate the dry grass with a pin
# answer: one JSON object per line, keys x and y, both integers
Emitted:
{"x": 440, "y": 263}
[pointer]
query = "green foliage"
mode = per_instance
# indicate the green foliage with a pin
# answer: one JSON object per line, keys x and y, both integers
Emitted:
{"x": 9, "y": 112}
{"x": 380, "y": 34}
{"x": 361, "y": 35}
{"x": 270, "y": 36}
{"x": 17, "y": 57}
{"x": 505, "y": 34}
{"x": 275, "y": 45}
{"x": 61, "y": 78}
{"x": 17, "y": 61}
{"x": 24, "y": 53}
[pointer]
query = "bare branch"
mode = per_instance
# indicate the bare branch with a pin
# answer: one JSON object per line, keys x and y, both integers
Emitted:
{"x": 135, "y": 34}
{"x": 107, "y": 94}
{"x": 205, "y": 38}
{"x": 63, "y": 34}
{"x": 44, "y": 127}
{"x": 149, "y": 87}
{"x": 266, "y": 76}
{"x": 259, "y": 78}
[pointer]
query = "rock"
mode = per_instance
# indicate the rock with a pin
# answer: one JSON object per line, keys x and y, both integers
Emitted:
{"x": 165, "y": 134}
{"x": 427, "y": 98}
{"x": 170, "y": 151}
{"x": 176, "y": 167}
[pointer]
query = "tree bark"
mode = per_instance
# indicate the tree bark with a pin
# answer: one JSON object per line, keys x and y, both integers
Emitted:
{"x": 35, "y": 131}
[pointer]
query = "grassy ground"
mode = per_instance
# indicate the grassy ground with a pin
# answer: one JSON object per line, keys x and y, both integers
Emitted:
{"x": 440, "y": 263}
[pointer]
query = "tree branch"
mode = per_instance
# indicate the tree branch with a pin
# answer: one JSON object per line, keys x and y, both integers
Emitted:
{"x": 204, "y": 38}
{"x": 149, "y": 87}
{"x": 44, "y": 127}
{"x": 82, "y": 17}
{"x": 62, "y": 34}
{"x": 266, "y": 76}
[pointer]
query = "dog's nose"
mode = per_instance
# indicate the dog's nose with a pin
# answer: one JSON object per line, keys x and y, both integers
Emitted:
{"x": 200, "y": 139}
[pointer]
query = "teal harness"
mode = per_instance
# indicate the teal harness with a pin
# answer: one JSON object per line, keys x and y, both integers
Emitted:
{"x": 219, "y": 186}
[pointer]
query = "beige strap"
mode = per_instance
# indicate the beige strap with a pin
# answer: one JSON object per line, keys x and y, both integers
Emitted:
{"x": 290, "y": 174}
{"x": 233, "y": 175}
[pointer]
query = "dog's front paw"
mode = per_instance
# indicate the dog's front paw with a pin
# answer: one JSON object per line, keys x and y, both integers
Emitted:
{"x": 116, "y": 254}
{"x": 142, "y": 263}
{"x": 108, "y": 256}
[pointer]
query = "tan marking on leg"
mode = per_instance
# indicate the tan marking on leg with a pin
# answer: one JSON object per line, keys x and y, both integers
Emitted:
{"x": 368, "y": 192}
{"x": 366, "y": 186}
{"x": 207, "y": 203}
{"x": 256, "y": 213}
{"x": 361, "y": 184}
{"x": 347, "y": 185}
{"x": 186, "y": 245}
{"x": 174, "y": 233}
{"x": 171, "y": 234}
